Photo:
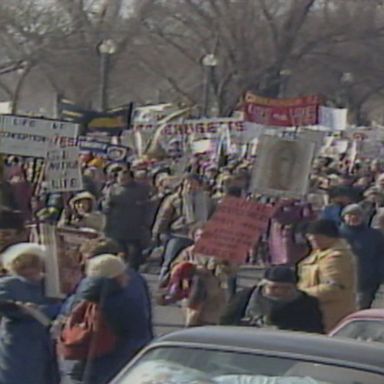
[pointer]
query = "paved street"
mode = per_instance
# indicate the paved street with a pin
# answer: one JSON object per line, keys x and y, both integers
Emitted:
{"x": 169, "y": 318}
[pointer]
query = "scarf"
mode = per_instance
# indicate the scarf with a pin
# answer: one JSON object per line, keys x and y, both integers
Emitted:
{"x": 260, "y": 307}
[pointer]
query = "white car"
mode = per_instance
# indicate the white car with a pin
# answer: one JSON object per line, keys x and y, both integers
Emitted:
{"x": 244, "y": 355}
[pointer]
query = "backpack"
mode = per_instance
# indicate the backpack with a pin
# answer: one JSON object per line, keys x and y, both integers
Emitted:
{"x": 86, "y": 334}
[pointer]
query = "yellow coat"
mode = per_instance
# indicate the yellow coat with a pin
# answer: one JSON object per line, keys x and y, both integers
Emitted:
{"x": 330, "y": 276}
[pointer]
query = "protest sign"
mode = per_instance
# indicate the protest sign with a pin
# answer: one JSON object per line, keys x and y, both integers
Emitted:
{"x": 312, "y": 135}
{"x": 45, "y": 234}
{"x": 111, "y": 122}
{"x": 68, "y": 242}
{"x": 189, "y": 127}
{"x": 5, "y": 107}
{"x": 62, "y": 170}
{"x": 334, "y": 147}
{"x": 282, "y": 167}
{"x": 25, "y": 136}
{"x": 111, "y": 152}
{"x": 155, "y": 112}
{"x": 368, "y": 149}
{"x": 282, "y": 112}
{"x": 63, "y": 264}
{"x": 203, "y": 146}
{"x": 234, "y": 229}
{"x": 333, "y": 118}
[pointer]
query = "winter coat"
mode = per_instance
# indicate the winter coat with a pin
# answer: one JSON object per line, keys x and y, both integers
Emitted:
{"x": 122, "y": 312}
{"x": 286, "y": 243}
{"x": 138, "y": 295}
{"x": 175, "y": 217}
{"x": 368, "y": 246}
{"x": 94, "y": 220}
{"x": 7, "y": 198}
{"x": 206, "y": 300}
{"x": 377, "y": 221}
{"x": 126, "y": 209}
{"x": 26, "y": 353}
{"x": 22, "y": 191}
{"x": 302, "y": 314}
{"x": 332, "y": 212}
{"x": 330, "y": 276}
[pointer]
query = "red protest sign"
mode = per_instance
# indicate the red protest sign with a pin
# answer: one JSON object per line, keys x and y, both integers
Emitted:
{"x": 234, "y": 229}
{"x": 282, "y": 112}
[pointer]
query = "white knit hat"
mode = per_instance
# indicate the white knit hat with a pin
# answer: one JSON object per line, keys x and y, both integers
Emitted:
{"x": 17, "y": 251}
{"x": 106, "y": 265}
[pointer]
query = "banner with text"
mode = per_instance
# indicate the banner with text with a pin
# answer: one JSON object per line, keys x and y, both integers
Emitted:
{"x": 62, "y": 170}
{"x": 26, "y": 136}
{"x": 234, "y": 229}
{"x": 295, "y": 112}
{"x": 194, "y": 127}
{"x": 110, "y": 152}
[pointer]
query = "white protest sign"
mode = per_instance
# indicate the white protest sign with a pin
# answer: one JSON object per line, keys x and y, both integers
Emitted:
{"x": 198, "y": 127}
{"x": 25, "y": 136}
{"x": 202, "y": 146}
{"x": 333, "y": 118}
{"x": 335, "y": 147}
{"x": 282, "y": 167}
{"x": 62, "y": 172}
{"x": 5, "y": 107}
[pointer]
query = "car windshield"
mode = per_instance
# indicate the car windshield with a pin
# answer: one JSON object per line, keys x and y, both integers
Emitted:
{"x": 180, "y": 365}
{"x": 367, "y": 330}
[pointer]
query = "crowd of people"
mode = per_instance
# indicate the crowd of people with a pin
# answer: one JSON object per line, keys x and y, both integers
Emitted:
{"x": 323, "y": 258}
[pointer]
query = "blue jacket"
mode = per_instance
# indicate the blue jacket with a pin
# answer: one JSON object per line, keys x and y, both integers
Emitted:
{"x": 332, "y": 212}
{"x": 126, "y": 311}
{"x": 26, "y": 352}
{"x": 368, "y": 246}
{"x": 139, "y": 296}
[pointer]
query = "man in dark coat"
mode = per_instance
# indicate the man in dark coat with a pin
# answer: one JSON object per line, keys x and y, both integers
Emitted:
{"x": 7, "y": 198}
{"x": 126, "y": 208}
{"x": 275, "y": 302}
{"x": 12, "y": 230}
{"x": 368, "y": 246}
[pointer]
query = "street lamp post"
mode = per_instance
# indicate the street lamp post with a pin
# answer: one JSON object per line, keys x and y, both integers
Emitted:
{"x": 284, "y": 75}
{"x": 106, "y": 49}
{"x": 346, "y": 79}
{"x": 209, "y": 62}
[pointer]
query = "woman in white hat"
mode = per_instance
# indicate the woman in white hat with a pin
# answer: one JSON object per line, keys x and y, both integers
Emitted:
{"x": 82, "y": 213}
{"x": 25, "y": 353}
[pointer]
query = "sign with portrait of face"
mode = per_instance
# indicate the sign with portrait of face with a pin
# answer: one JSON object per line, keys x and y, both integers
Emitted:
{"x": 282, "y": 167}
